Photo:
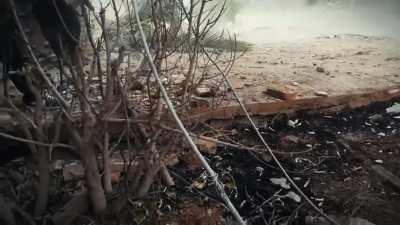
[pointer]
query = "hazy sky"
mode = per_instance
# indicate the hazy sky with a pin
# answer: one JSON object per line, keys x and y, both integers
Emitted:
{"x": 265, "y": 21}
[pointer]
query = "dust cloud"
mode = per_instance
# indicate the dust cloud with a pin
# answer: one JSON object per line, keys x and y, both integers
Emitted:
{"x": 265, "y": 21}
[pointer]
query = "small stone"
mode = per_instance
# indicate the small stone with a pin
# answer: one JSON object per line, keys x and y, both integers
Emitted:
{"x": 248, "y": 85}
{"x": 381, "y": 134}
{"x": 294, "y": 83}
{"x": 204, "y": 92}
{"x": 320, "y": 70}
{"x": 321, "y": 93}
{"x": 295, "y": 197}
{"x": 376, "y": 118}
{"x": 178, "y": 79}
{"x": 282, "y": 92}
{"x": 280, "y": 182}
{"x": 290, "y": 140}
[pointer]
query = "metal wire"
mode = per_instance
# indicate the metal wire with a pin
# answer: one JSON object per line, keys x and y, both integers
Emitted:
{"x": 171, "y": 108}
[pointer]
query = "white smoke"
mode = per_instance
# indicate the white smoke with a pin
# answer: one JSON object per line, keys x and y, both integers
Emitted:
{"x": 262, "y": 21}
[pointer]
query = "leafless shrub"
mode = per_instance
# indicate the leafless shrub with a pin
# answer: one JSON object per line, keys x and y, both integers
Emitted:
{"x": 104, "y": 107}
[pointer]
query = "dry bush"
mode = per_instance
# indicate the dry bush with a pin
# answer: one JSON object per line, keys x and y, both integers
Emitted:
{"x": 114, "y": 105}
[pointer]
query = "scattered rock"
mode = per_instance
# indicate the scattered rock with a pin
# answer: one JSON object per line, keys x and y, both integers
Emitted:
{"x": 137, "y": 92}
{"x": 376, "y": 118}
{"x": 282, "y": 92}
{"x": 295, "y": 197}
{"x": 199, "y": 184}
{"x": 321, "y": 93}
{"x": 393, "y": 59}
{"x": 289, "y": 140}
{"x": 178, "y": 79}
{"x": 395, "y": 109}
{"x": 293, "y": 124}
{"x": 280, "y": 182}
{"x": 294, "y": 83}
{"x": 320, "y": 70}
{"x": 205, "y": 92}
{"x": 75, "y": 171}
{"x": 363, "y": 53}
{"x": 248, "y": 84}
{"x": 381, "y": 134}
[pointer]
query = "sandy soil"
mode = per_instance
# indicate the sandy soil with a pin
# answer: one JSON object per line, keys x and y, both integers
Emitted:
{"x": 351, "y": 63}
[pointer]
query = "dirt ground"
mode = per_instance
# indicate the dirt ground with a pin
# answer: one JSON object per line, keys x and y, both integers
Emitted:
{"x": 349, "y": 63}
{"x": 330, "y": 156}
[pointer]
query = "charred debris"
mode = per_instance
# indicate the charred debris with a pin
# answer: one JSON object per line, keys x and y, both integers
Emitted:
{"x": 92, "y": 141}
